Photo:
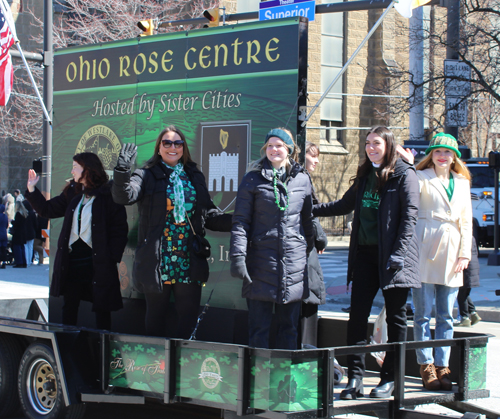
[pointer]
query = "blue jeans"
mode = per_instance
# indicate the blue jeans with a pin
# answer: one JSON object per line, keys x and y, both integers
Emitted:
{"x": 260, "y": 314}
{"x": 423, "y": 299}
{"x": 28, "y": 248}
{"x": 19, "y": 254}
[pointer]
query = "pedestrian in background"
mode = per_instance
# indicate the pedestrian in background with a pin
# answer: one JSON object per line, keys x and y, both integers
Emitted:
{"x": 18, "y": 232}
{"x": 9, "y": 201}
{"x": 30, "y": 228}
{"x": 317, "y": 291}
{"x": 174, "y": 206}
{"x": 466, "y": 307}
{"x": 4, "y": 225}
{"x": 383, "y": 251}
{"x": 271, "y": 236}
{"x": 444, "y": 230}
{"x": 91, "y": 243}
{"x": 42, "y": 223}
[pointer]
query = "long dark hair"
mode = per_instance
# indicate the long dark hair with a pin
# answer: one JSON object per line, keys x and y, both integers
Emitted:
{"x": 389, "y": 162}
{"x": 93, "y": 172}
{"x": 186, "y": 156}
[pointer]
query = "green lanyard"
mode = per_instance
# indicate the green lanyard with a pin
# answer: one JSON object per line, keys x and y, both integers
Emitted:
{"x": 276, "y": 194}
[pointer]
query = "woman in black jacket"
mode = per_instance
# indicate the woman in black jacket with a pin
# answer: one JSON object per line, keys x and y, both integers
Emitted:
{"x": 271, "y": 236}
{"x": 173, "y": 200}
{"x": 91, "y": 243}
{"x": 383, "y": 252}
{"x": 18, "y": 232}
{"x": 30, "y": 231}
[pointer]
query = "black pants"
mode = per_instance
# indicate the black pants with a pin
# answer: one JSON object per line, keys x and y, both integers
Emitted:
{"x": 72, "y": 298}
{"x": 187, "y": 304}
{"x": 465, "y": 304}
{"x": 365, "y": 286}
{"x": 79, "y": 287}
{"x": 3, "y": 253}
{"x": 309, "y": 324}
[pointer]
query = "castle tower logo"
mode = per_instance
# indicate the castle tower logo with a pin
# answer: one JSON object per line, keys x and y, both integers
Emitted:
{"x": 224, "y": 157}
{"x": 223, "y": 168}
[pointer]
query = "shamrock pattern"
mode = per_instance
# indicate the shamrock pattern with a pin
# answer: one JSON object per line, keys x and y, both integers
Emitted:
{"x": 175, "y": 262}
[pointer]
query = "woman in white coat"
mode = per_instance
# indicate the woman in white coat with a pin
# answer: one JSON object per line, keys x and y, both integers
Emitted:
{"x": 444, "y": 230}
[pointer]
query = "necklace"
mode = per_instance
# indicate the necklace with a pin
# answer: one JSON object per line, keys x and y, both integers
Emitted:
{"x": 276, "y": 194}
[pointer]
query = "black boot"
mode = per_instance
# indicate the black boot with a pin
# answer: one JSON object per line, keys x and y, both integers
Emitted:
{"x": 383, "y": 390}
{"x": 353, "y": 389}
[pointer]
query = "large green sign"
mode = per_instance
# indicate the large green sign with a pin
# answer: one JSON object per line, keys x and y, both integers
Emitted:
{"x": 223, "y": 87}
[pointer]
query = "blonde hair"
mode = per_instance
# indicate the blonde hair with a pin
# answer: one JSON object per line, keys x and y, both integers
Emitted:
{"x": 21, "y": 209}
{"x": 458, "y": 166}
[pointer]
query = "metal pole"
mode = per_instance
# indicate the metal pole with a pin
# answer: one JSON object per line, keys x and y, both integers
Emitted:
{"x": 452, "y": 41}
{"x": 494, "y": 257}
{"x": 30, "y": 56}
{"x": 344, "y": 68}
{"x": 8, "y": 19}
{"x": 417, "y": 74}
{"x": 350, "y": 6}
{"x": 48, "y": 87}
{"x": 44, "y": 109}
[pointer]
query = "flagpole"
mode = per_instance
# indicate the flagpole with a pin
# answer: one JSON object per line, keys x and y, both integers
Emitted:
{"x": 344, "y": 68}
{"x": 6, "y": 13}
{"x": 47, "y": 117}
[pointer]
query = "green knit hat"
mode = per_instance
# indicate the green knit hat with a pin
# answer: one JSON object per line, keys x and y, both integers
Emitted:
{"x": 443, "y": 140}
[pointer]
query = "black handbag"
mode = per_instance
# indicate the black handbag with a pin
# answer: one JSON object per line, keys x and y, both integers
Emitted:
{"x": 200, "y": 245}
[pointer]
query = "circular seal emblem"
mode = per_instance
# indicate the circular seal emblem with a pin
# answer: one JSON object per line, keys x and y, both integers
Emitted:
{"x": 210, "y": 373}
{"x": 102, "y": 141}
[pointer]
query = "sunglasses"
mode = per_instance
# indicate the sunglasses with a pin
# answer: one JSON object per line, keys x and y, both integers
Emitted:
{"x": 168, "y": 143}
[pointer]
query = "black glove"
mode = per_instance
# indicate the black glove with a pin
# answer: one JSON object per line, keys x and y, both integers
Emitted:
{"x": 239, "y": 268}
{"x": 127, "y": 156}
{"x": 395, "y": 262}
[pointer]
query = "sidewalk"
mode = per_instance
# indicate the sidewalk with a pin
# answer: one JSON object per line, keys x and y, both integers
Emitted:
{"x": 486, "y": 302}
{"x": 19, "y": 286}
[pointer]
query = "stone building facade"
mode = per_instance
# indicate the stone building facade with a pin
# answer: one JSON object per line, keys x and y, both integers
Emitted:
{"x": 367, "y": 87}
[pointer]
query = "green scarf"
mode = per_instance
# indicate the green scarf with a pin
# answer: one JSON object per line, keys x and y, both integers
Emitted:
{"x": 175, "y": 178}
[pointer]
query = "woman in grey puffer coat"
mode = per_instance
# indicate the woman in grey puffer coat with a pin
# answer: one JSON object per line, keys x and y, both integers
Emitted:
{"x": 270, "y": 239}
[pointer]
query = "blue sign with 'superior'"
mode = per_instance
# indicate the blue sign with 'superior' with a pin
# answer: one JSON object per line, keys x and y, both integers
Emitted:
{"x": 278, "y": 9}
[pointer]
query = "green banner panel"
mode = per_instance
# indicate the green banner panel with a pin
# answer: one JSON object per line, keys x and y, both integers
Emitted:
{"x": 139, "y": 366}
{"x": 477, "y": 367}
{"x": 207, "y": 375}
{"x": 282, "y": 384}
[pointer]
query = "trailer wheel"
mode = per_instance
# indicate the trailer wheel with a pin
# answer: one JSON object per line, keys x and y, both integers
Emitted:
{"x": 11, "y": 352}
{"x": 39, "y": 386}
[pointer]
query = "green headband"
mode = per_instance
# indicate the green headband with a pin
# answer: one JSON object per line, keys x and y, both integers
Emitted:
{"x": 283, "y": 136}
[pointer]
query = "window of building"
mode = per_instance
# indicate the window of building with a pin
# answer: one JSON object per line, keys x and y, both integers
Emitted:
{"x": 332, "y": 59}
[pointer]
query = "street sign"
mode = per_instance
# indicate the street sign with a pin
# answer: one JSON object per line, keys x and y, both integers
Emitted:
{"x": 278, "y": 9}
{"x": 457, "y": 78}
{"x": 456, "y": 111}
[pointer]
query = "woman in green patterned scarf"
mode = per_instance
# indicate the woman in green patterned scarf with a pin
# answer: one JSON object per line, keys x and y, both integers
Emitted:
{"x": 171, "y": 193}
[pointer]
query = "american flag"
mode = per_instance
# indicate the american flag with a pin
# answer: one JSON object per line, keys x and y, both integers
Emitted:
{"x": 6, "y": 70}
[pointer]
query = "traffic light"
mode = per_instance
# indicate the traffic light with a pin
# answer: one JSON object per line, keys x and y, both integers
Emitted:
{"x": 213, "y": 17}
{"x": 147, "y": 26}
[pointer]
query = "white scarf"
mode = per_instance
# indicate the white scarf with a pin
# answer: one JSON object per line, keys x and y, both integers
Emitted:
{"x": 85, "y": 232}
